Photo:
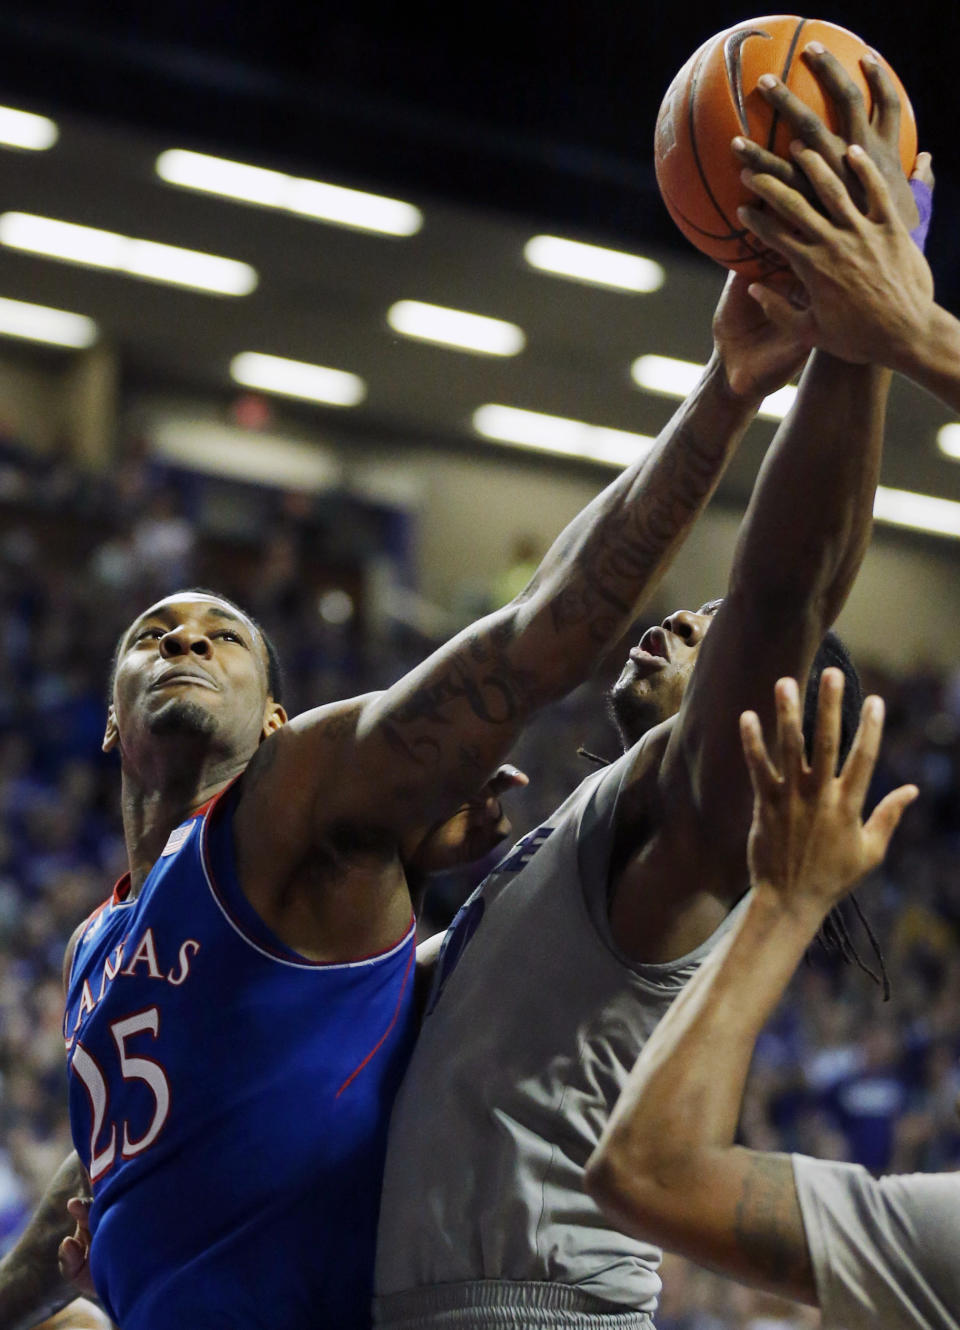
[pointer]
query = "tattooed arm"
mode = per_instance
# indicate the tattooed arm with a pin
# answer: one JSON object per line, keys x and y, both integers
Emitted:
{"x": 31, "y": 1286}
{"x": 666, "y": 1168}
{"x": 402, "y": 758}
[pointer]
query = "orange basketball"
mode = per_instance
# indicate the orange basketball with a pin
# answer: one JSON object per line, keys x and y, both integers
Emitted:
{"x": 715, "y": 97}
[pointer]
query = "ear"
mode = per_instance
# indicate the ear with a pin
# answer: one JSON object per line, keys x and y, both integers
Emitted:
{"x": 111, "y": 735}
{"x": 273, "y": 717}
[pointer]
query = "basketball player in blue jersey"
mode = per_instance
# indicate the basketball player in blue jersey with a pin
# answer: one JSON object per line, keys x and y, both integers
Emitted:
{"x": 240, "y": 1010}
{"x": 560, "y": 966}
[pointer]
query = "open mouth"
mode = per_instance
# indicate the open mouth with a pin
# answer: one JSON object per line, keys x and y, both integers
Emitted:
{"x": 653, "y": 645}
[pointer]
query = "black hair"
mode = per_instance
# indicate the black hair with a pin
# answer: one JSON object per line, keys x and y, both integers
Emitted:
{"x": 832, "y": 654}
{"x": 834, "y": 934}
{"x": 274, "y": 668}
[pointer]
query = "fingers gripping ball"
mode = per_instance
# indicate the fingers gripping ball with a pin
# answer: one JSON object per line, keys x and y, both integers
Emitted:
{"x": 715, "y": 97}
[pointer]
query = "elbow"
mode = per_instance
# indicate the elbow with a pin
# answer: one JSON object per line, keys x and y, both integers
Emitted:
{"x": 628, "y": 1187}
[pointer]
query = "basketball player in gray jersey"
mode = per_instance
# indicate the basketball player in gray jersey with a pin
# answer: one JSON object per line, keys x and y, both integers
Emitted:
{"x": 557, "y": 970}
{"x": 868, "y": 1252}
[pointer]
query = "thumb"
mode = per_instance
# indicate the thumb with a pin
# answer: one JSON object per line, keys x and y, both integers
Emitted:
{"x": 885, "y": 819}
{"x": 799, "y": 323}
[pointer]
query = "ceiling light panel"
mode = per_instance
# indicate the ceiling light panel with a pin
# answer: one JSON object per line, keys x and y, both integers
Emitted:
{"x": 678, "y": 378}
{"x": 294, "y": 194}
{"x": 94, "y": 248}
{"x": 23, "y": 129}
{"x": 921, "y": 512}
{"x": 457, "y": 328}
{"x": 948, "y": 441}
{"x": 593, "y": 264}
{"x": 40, "y": 323}
{"x": 297, "y": 378}
{"x": 560, "y": 435}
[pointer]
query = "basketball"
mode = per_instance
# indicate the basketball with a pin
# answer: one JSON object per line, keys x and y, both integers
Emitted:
{"x": 715, "y": 97}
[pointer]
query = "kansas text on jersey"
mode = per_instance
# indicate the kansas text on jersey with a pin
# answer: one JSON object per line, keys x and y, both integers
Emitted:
{"x": 229, "y": 1100}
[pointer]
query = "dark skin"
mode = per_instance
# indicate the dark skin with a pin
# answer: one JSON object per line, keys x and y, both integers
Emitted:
{"x": 667, "y": 1168}
{"x": 319, "y": 858}
{"x": 333, "y": 802}
{"x": 683, "y": 820}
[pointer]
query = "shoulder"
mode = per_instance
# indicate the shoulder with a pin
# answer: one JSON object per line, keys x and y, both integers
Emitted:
{"x": 75, "y": 937}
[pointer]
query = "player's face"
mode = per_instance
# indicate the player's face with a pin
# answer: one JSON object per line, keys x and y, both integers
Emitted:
{"x": 192, "y": 667}
{"x": 652, "y": 683}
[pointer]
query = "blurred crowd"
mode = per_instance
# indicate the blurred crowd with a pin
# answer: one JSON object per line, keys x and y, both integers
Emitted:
{"x": 839, "y": 1072}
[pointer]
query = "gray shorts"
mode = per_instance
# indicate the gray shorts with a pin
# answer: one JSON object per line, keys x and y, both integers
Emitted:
{"x": 496, "y": 1304}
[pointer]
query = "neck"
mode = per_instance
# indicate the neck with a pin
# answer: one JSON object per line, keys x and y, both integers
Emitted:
{"x": 151, "y": 811}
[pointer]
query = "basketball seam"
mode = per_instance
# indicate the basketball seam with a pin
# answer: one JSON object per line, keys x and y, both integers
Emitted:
{"x": 691, "y": 126}
{"x": 774, "y": 124}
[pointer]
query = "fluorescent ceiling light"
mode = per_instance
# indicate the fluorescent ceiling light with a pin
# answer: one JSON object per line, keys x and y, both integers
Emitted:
{"x": 592, "y": 263}
{"x": 94, "y": 248}
{"x": 39, "y": 323}
{"x": 922, "y": 512}
{"x": 274, "y": 189}
{"x": 557, "y": 434}
{"x": 948, "y": 441}
{"x": 256, "y": 456}
{"x": 297, "y": 378}
{"x": 23, "y": 129}
{"x": 678, "y": 378}
{"x": 454, "y": 327}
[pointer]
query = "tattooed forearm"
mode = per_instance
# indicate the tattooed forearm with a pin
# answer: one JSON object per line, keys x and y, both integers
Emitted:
{"x": 768, "y": 1225}
{"x": 30, "y": 1284}
{"x": 626, "y": 548}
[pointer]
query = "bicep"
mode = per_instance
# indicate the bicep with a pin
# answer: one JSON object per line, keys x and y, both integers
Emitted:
{"x": 437, "y": 734}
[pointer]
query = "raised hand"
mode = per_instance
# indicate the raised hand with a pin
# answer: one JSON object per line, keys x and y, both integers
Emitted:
{"x": 868, "y": 287}
{"x": 759, "y": 354}
{"x": 878, "y": 132}
{"x": 808, "y": 844}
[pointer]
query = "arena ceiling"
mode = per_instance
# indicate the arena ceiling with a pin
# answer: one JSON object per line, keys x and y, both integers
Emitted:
{"x": 498, "y": 122}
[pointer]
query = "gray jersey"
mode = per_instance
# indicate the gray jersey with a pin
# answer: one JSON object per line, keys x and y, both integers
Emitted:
{"x": 884, "y": 1253}
{"x": 533, "y": 1024}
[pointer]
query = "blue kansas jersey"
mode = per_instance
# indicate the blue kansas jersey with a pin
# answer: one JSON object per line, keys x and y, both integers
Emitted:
{"x": 230, "y": 1101}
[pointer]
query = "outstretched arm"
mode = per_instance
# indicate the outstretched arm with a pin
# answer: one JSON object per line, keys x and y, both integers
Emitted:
{"x": 411, "y": 754}
{"x": 804, "y": 536}
{"x": 666, "y": 1168}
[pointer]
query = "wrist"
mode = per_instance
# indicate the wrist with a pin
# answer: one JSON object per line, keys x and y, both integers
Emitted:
{"x": 716, "y": 383}
{"x": 933, "y": 347}
{"x": 796, "y": 917}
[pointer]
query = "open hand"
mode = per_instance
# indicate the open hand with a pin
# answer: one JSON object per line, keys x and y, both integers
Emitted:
{"x": 878, "y": 132}
{"x": 808, "y": 843}
{"x": 869, "y": 290}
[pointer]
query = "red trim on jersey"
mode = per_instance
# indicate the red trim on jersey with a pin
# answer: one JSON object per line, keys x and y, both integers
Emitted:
{"x": 386, "y": 1034}
{"x": 121, "y": 888}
